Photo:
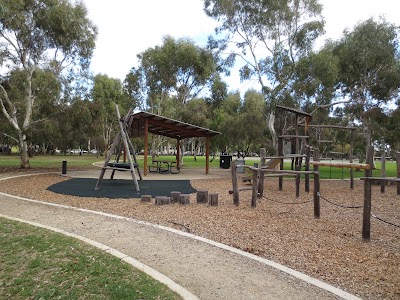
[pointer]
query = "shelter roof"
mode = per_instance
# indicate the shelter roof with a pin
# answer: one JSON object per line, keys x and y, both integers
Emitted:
{"x": 294, "y": 110}
{"x": 166, "y": 127}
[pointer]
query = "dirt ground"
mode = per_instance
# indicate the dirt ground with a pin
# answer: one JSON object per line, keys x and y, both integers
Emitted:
{"x": 281, "y": 227}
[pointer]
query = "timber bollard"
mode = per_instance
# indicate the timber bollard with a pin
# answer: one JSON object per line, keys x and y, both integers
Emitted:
{"x": 64, "y": 167}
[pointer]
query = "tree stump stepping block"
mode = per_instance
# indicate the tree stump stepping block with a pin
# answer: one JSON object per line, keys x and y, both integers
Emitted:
{"x": 162, "y": 200}
{"x": 213, "y": 199}
{"x": 185, "y": 199}
{"x": 202, "y": 196}
{"x": 175, "y": 197}
{"x": 146, "y": 198}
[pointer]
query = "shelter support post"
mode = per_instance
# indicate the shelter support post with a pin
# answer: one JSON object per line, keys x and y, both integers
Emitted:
{"x": 178, "y": 154}
{"x": 146, "y": 145}
{"x": 207, "y": 155}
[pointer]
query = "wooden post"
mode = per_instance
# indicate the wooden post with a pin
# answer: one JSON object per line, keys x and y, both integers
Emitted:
{"x": 307, "y": 168}
{"x": 383, "y": 165}
{"x": 280, "y": 153}
{"x": 255, "y": 189}
{"x": 175, "y": 197}
{"x": 213, "y": 199}
{"x": 146, "y": 145}
{"x": 351, "y": 159}
{"x": 366, "y": 228}
{"x": 178, "y": 154}
{"x": 234, "y": 184}
{"x": 207, "y": 155}
{"x": 398, "y": 171}
{"x": 317, "y": 209}
{"x": 202, "y": 197}
{"x": 125, "y": 141}
{"x": 263, "y": 154}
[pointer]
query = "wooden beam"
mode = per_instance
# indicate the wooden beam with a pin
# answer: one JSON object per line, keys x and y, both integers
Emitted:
{"x": 294, "y": 136}
{"x": 392, "y": 179}
{"x": 334, "y": 126}
{"x": 198, "y": 132}
{"x": 341, "y": 165}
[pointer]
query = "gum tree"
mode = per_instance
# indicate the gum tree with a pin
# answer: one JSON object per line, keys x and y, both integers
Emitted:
{"x": 51, "y": 35}
{"x": 268, "y": 37}
{"x": 369, "y": 69}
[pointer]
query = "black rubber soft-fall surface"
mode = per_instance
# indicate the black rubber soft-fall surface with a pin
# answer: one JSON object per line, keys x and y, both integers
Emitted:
{"x": 120, "y": 188}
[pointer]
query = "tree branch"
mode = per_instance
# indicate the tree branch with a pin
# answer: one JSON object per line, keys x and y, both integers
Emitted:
{"x": 12, "y": 119}
{"x": 9, "y": 136}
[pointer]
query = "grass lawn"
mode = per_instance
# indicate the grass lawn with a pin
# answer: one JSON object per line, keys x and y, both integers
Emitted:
{"x": 86, "y": 161}
{"x": 39, "y": 264}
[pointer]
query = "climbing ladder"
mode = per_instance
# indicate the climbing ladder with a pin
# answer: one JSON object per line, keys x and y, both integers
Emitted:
{"x": 121, "y": 142}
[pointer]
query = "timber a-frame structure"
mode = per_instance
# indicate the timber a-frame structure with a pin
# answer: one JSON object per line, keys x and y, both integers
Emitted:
{"x": 121, "y": 143}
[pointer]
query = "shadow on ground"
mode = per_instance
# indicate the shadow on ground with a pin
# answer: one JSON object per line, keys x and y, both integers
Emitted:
{"x": 120, "y": 188}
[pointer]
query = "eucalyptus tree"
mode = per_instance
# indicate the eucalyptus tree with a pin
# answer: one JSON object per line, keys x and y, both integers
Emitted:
{"x": 369, "y": 68}
{"x": 269, "y": 37}
{"x": 39, "y": 34}
{"x": 177, "y": 68}
{"x": 106, "y": 93}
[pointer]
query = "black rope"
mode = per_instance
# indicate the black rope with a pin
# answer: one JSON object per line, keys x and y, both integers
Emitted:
{"x": 286, "y": 202}
{"x": 384, "y": 221}
{"x": 340, "y": 205}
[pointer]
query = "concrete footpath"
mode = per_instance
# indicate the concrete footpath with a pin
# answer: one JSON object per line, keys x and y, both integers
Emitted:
{"x": 206, "y": 269}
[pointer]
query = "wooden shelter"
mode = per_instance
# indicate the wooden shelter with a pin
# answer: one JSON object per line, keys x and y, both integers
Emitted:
{"x": 143, "y": 123}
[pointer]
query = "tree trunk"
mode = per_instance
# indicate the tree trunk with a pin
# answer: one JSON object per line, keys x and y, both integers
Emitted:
{"x": 23, "y": 146}
{"x": 271, "y": 121}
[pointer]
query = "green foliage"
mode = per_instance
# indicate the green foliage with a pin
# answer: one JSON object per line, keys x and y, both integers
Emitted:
{"x": 39, "y": 39}
{"x": 273, "y": 37}
{"x": 178, "y": 67}
{"x": 369, "y": 63}
{"x": 106, "y": 93}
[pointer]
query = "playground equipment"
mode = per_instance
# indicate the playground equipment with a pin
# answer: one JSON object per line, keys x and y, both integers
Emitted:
{"x": 121, "y": 142}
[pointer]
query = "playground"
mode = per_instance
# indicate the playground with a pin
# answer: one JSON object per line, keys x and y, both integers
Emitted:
{"x": 281, "y": 228}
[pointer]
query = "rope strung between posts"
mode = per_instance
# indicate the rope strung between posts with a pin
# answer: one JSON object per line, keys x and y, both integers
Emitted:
{"x": 340, "y": 205}
{"x": 384, "y": 221}
{"x": 272, "y": 200}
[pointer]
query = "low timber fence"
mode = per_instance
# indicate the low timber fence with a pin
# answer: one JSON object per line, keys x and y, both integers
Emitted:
{"x": 259, "y": 173}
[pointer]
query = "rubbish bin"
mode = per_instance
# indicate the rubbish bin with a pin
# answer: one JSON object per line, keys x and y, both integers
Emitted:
{"x": 225, "y": 161}
{"x": 240, "y": 161}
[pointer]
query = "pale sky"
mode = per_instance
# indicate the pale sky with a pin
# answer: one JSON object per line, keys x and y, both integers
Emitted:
{"x": 129, "y": 27}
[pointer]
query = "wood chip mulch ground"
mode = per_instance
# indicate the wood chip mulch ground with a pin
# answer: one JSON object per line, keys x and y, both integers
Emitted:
{"x": 281, "y": 227}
